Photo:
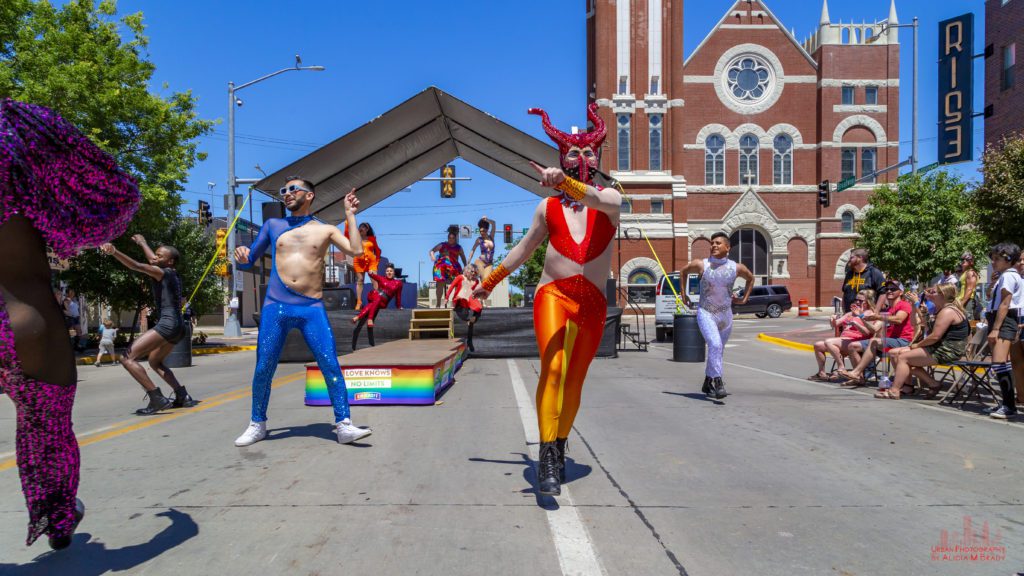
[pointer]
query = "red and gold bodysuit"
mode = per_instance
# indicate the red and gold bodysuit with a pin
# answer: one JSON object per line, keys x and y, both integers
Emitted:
{"x": 569, "y": 307}
{"x": 568, "y": 317}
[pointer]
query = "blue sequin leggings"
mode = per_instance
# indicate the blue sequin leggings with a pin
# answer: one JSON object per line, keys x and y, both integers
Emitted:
{"x": 276, "y": 320}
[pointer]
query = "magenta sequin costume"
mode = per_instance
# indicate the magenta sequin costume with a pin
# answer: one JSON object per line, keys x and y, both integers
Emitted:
{"x": 75, "y": 196}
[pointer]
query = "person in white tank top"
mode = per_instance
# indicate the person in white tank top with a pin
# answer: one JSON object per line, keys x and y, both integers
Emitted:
{"x": 714, "y": 311}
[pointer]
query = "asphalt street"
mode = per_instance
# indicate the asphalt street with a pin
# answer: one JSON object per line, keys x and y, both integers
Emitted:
{"x": 785, "y": 477}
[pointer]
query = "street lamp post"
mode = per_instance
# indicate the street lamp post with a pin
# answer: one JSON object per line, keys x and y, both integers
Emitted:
{"x": 232, "y": 329}
{"x": 914, "y": 160}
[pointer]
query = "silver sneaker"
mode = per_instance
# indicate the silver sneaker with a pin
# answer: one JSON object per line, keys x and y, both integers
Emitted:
{"x": 347, "y": 433}
{"x": 254, "y": 433}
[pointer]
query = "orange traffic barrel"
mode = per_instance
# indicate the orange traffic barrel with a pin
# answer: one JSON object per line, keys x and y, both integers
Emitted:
{"x": 804, "y": 310}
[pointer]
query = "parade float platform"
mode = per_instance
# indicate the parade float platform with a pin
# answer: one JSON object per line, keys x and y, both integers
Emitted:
{"x": 409, "y": 372}
{"x": 500, "y": 333}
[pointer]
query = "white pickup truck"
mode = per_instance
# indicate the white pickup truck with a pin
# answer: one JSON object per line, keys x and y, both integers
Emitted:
{"x": 665, "y": 302}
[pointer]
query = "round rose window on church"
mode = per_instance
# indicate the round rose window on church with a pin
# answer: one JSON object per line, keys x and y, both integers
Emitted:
{"x": 749, "y": 79}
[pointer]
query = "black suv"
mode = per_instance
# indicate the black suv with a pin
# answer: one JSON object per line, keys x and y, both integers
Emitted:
{"x": 769, "y": 301}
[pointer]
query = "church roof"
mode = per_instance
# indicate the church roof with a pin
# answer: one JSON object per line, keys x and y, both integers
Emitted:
{"x": 771, "y": 15}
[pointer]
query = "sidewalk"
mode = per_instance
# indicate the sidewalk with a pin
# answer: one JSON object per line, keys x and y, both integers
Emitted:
{"x": 215, "y": 343}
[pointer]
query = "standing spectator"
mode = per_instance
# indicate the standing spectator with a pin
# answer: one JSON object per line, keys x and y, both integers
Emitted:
{"x": 107, "y": 343}
{"x": 1003, "y": 317}
{"x": 949, "y": 277}
{"x": 73, "y": 318}
{"x": 1017, "y": 350}
{"x": 896, "y": 313}
{"x": 861, "y": 274}
{"x": 968, "y": 286}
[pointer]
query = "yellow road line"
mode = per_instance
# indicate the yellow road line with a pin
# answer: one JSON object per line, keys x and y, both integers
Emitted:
{"x": 810, "y": 348}
{"x": 786, "y": 343}
{"x": 127, "y": 426}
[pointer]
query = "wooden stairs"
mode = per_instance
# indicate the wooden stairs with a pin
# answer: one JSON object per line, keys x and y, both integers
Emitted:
{"x": 431, "y": 323}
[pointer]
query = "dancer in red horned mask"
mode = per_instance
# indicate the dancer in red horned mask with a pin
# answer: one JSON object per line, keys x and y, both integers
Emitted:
{"x": 569, "y": 308}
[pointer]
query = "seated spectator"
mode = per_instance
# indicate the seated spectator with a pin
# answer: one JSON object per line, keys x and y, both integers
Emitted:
{"x": 899, "y": 330}
{"x": 851, "y": 327}
{"x": 945, "y": 343}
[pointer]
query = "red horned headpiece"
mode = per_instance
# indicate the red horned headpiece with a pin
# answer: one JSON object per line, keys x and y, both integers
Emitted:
{"x": 594, "y": 138}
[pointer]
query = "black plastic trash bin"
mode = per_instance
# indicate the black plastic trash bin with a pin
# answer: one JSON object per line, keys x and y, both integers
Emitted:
{"x": 687, "y": 341}
{"x": 181, "y": 354}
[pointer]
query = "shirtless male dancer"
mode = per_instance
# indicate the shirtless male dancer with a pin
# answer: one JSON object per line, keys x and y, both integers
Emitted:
{"x": 714, "y": 311}
{"x": 298, "y": 245}
{"x": 570, "y": 307}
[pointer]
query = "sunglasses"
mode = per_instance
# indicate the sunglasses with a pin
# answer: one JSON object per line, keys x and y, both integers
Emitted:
{"x": 860, "y": 301}
{"x": 293, "y": 189}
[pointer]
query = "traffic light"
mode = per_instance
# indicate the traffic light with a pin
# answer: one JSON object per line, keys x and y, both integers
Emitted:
{"x": 508, "y": 233}
{"x": 447, "y": 185}
{"x": 824, "y": 194}
{"x": 205, "y": 216}
{"x": 222, "y": 252}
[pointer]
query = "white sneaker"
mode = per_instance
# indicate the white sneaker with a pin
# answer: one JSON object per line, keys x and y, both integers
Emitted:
{"x": 254, "y": 433}
{"x": 347, "y": 433}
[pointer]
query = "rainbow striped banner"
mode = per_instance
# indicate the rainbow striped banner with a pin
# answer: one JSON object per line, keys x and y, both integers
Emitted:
{"x": 416, "y": 385}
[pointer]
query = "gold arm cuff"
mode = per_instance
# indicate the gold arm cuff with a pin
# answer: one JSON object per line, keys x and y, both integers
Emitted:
{"x": 496, "y": 275}
{"x": 573, "y": 188}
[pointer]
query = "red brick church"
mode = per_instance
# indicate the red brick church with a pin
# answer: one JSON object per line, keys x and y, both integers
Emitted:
{"x": 736, "y": 136}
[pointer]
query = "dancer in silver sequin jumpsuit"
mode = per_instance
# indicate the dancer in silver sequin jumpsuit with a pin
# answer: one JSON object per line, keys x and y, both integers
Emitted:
{"x": 714, "y": 313}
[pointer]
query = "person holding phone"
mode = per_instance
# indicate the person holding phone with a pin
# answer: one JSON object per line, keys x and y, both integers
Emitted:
{"x": 851, "y": 328}
{"x": 899, "y": 331}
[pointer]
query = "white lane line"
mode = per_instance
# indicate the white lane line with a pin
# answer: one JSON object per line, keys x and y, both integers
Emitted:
{"x": 576, "y": 554}
{"x": 870, "y": 392}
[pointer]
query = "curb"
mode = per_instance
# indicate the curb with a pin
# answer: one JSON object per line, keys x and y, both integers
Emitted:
{"x": 810, "y": 348}
{"x": 89, "y": 360}
{"x": 785, "y": 343}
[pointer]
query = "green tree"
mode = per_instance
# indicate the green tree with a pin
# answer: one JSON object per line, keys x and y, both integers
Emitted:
{"x": 91, "y": 67}
{"x": 127, "y": 290}
{"x": 530, "y": 271}
{"x": 999, "y": 199}
{"x": 920, "y": 228}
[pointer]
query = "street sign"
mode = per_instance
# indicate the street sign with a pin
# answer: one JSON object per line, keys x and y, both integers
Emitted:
{"x": 845, "y": 183}
{"x": 928, "y": 168}
{"x": 956, "y": 89}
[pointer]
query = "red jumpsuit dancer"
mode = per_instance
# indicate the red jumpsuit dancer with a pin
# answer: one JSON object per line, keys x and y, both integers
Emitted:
{"x": 388, "y": 287}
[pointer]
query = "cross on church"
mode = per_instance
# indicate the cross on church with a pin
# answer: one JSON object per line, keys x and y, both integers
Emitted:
{"x": 749, "y": 177}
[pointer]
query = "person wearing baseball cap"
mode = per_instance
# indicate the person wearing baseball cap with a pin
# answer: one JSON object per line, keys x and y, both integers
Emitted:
{"x": 896, "y": 312}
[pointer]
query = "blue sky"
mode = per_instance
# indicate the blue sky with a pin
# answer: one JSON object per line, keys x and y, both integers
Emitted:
{"x": 501, "y": 57}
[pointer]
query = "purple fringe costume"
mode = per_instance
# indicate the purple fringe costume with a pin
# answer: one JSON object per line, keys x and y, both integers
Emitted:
{"x": 75, "y": 196}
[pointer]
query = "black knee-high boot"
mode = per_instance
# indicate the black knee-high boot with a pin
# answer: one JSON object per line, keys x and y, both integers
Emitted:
{"x": 548, "y": 481}
{"x": 355, "y": 332}
{"x": 369, "y": 334}
{"x": 469, "y": 337}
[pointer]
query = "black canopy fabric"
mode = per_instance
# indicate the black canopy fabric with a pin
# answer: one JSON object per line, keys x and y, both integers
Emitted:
{"x": 408, "y": 142}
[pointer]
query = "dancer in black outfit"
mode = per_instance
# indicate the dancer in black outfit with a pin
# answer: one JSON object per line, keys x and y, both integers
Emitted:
{"x": 157, "y": 342}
